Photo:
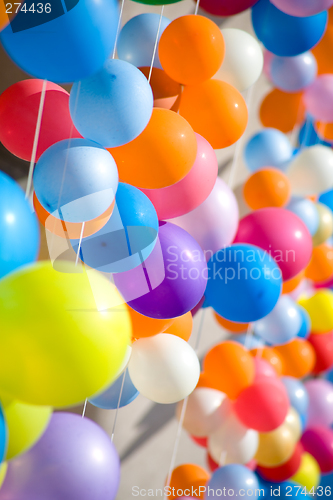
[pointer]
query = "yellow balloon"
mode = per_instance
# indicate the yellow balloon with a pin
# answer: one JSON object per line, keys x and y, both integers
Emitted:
{"x": 275, "y": 447}
{"x": 293, "y": 422}
{"x": 308, "y": 474}
{"x": 320, "y": 309}
{"x": 3, "y": 472}
{"x": 63, "y": 334}
{"x": 325, "y": 228}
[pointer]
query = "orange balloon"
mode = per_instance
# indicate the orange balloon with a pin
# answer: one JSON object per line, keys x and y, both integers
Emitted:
{"x": 215, "y": 110}
{"x": 230, "y": 367}
{"x": 70, "y": 230}
{"x": 142, "y": 326}
{"x": 185, "y": 477}
{"x": 298, "y": 358}
{"x": 231, "y": 326}
{"x": 324, "y": 130}
{"x": 282, "y": 111}
{"x": 4, "y": 19}
{"x": 182, "y": 326}
{"x": 191, "y": 49}
{"x": 166, "y": 92}
{"x": 268, "y": 187}
{"x": 161, "y": 155}
{"x": 323, "y": 50}
{"x": 290, "y": 285}
{"x": 270, "y": 355}
{"x": 320, "y": 267}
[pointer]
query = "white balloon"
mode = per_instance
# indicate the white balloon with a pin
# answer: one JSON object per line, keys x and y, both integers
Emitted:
{"x": 243, "y": 62}
{"x": 233, "y": 443}
{"x": 311, "y": 172}
{"x": 164, "y": 368}
{"x": 205, "y": 411}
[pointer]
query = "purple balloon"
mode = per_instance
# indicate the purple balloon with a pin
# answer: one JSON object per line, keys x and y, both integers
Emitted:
{"x": 318, "y": 98}
{"x": 320, "y": 410}
{"x": 293, "y": 74}
{"x": 73, "y": 460}
{"x": 302, "y": 8}
{"x": 171, "y": 281}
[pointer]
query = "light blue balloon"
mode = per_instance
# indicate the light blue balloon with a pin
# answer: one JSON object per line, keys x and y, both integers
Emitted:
{"x": 268, "y": 148}
{"x": 297, "y": 394}
{"x": 306, "y": 210}
{"x": 3, "y": 436}
{"x": 77, "y": 176}
{"x": 233, "y": 477}
{"x": 249, "y": 341}
{"x": 109, "y": 399}
{"x": 19, "y": 240}
{"x": 282, "y": 324}
{"x": 305, "y": 329}
{"x": 327, "y": 198}
{"x": 138, "y": 37}
{"x": 113, "y": 106}
{"x": 293, "y": 74}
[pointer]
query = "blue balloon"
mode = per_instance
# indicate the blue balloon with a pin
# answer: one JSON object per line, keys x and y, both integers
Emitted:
{"x": 127, "y": 239}
{"x": 326, "y": 481}
{"x": 109, "y": 399}
{"x": 113, "y": 106}
{"x": 138, "y": 37}
{"x": 249, "y": 341}
{"x": 306, "y": 210}
{"x": 286, "y": 35}
{"x": 63, "y": 43}
{"x": 236, "y": 478}
{"x": 293, "y": 74}
{"x": 19, "y": 242}
{"x": 76, "y": 180}
{"x": 297, "y": 394}
{"x": 244, "y": 283}
{"x": 308, "y": 135}
{"x": 3, "y": 436}
{"x": 327, "y": 198}
{"x": 305, "y": 329}
{"x": 268, "y": 148}
{"x": 329, "y": 376}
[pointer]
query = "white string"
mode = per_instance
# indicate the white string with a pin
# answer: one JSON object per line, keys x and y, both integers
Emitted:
{"x": 84, "y": 408}
{"x": 249, "y": 336}
{"x": 197, "y": 7}
{"x": 36, "y": 139}
{"x": 156, "y": 44}
{"x": 200, "y": 329}
{"x": 118, "y": 406}
{"x": 80, "y": 242}
{"x": 118, "y": 29}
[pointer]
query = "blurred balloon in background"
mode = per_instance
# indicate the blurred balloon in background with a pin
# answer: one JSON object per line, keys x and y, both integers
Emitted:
{"x": 166, "y": 92}
{"x": 319, "y": 308}
{"x": 298, "y": 396}
{"x": 306, "y": 210}
{"x": 301, "y": 8}
{"x": 297, "y": 356}
{"x": 267, "y": 187}
{"x": 234, "y": 477}
{"x": 293, "y": 74}
{"x": 320, "y": 403}
{"x": 318, "y": 441}
{"x": 273, "y": 110}
{"x": 268, "y": 148}
{"x": 188, "y": 476}
{"x": 109, "y": 399}
{"x": 308, "y": 474}
{"x": 318, "y": 97}
{"x": 325, "y": 226}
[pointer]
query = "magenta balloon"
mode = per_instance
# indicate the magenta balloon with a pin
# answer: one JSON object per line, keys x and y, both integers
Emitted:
{"x": 192, "y": 190}
{"x": 318, "y": 441}
{"x": 318, "y": 98}
{"x": 302, "y": 8}
{"x": 214, "y": 223}
{"x": 320, "y": 410}
{"x": 74, "y": 459}
{"x": 172, "y": 279}
{"x": 282, "y": 234}
{"x": 226, "y": 7}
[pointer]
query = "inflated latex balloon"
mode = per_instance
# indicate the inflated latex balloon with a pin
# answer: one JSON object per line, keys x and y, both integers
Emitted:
{"x": 76, "y": 343}
{"x": 311, "y": 172}
{"x": 137, "y": 39}
{"x": 294, "y": 422}
{"x": 190, "y": 192}
{"x": 317, "y": 98}
{"x": 188, "y": 476}
{"x": 231, "y": 326}
{"x": 171, "y": 281}
{"x": 324, "y": 131}
{"x": 73, "y": 458}
{"x": 4, "y": 17}
{"x": 280, "y": 325}
{"x": 270, "y": 355}
{"x": 274, "y": 106}
{"x": 171, "y": 144}
{"x": 323, "y": 347}
{"x": 305, "y": 329}
{"x": 326, "y": 198}
{"x": 214, "y": 223}
{"x": 19, "y": 106}
{"x": 215, "y": 110}
{"x": 318, "y": 441}
{"x": 308, "y": 474}
{"x": 280, "y": 38}
{"x": 302, "y": 8}
{"x": 306, "y": 210}
{"x": 18, "y": 226}
{"x": 4, "y": 437}
{"x": 297, "y": 394}
{"x": 322, "y": 51}
{"x": 267, "y": 187}
{"x": 127, "y": 239}
{"x": 109, "y": 399}
{"x": 325, "y": 226}
{"x": 75, "y": 44}
{"x": 320, "y": 267}
{"x": 268, "y": 148}
{"x": 166, "y": 92}
{"x": 164, "y": 368}
{"x": 263, "y": 369}
{"x": 275, "y": 447}
{"x": 202, "y": 442}
{"x": 243, "y": 61}
{"x": 234, "y": 477}
{"x": 320, "y": 403}
{"x": 292, "y": 284}
{"x": 297, "y": 356}
{"x": 284, "y": 471}
{"x": 293, "y": 74}
{"x": 191, "y": 49}
{"x": 142, "y": 326}
{"x": 226, "y": 8}
{"x": 182, "y": 326}
{"x": 308, "y": 135}
{"x": 320, "y": 309}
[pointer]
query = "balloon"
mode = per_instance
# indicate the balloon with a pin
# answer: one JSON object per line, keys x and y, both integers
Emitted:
{"x": 74, "y": 458}
{"x": 187, "y": 478}
{"x": 109, "y": 399}
{"x": 325, "y": 132}
{"x": 3, "y": 435}
{"x": 322, "y": 50}
{"x": 280, "y": 38}
{"x": 74, "y": 45}
{"x": 206, "y": 409}
{"x": 229, "y": 367}
{"x": 308, "y": 135}
{"x": 326, "y": 198}
{"x": 264, "y": 370}
{"x": 321, "y": 403}
{"x": 273, "y": 112}
{"x": 77, "y": 342}
{"x": 297, "y": 356}
{"x": 127, "y": 239}
{"x": 167, "y": 141}
{"x": 275, "y": 447}
{"x": 305, "y": 329}
{"x": 317, "y": 98}
{"x": 320, "y": 309}
{"x": 243, "y": 61}
{"x": 311, "y": 172}
{"x": 215, "y": 110}
{"x": 301, "y": 8}
{"x": 181, "y": 326}
{"x": 308, "y": 474}
{"x": 231, "y": 326}
{"x": 142, "y": 326}
{"x": 19, "y": 227}
{"x": 268, "y": 58}
{"x": 226, "y": 8}
{"x": 284, "y": 471}
{"x": 318, "y": 441}
{"x": 325, "y": 227}
{"x": 270, "y": 355}
{"x": 280, "y": 325}
{"x": 292, "y": 284}
{"x": 297, "y": 394}
{"x": 320, "y": 267}
{"x": 234, "y": 477}
{"x": 293, "y": 74}
{"x": 268, "y": 148}
{"x": 294, "y": 422}
{"x": 323, "y": 347}
{"x": 213, "y": 224}
{"x": 82, "y": 193}
{"x": 171, "y": 281}
{"x": 191, "y": 49}
{"x": 200, "y": 441}
{"x": 4, "y": 17}
{"x": 166, "y": 92}
{"x": 268, "y": 187}
{"x": 164, "y": 368}
{"x": 306, "y": 210}
{"x": 233, "y": 442}
{"x": 138, "y": 37}
{"x": 326, "y": 482}
{"x": 190, "y": 192}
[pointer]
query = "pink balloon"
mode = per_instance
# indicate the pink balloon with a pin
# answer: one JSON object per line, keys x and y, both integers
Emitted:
{"x": 226, "y": 7}
{"x": 263, "y": 369}
{"x": 213, "y": 224}
{"x": 282, "y": 234}
{"x": 302, "y": 8}
{"x": 318, "y": 98}
{"x": 320, "y": 403}
{"x": 318, "y": 441}
{"x": 192, "y": 190}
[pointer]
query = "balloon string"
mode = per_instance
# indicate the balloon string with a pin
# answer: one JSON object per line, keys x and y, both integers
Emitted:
{"x": 84, "y": 408}
{"x": 118, "y": 29}
{"x": 249, "y": 336}
{"x": 156, "y": 44}
{"x": 200, "y": 329}
{"x": 36, "y": 139}
{"x": 197, "y": 7}
{"x": 118, "y": 406}
{"x": 80, "y": 242}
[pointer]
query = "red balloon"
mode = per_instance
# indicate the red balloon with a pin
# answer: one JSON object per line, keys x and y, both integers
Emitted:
{"x": 19, "y": 105}
{"x": 226, "y": 7}
{"x": 203, "y": 442}
{"x": 263, "y": 406}
{"x": 212, "y": 465}
{"x": 285, "y": 471}
{"x": 323, "y": 346}
{"x": 318, "y": 441}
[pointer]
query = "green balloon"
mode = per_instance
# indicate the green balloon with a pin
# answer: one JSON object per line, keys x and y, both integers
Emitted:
{"x": 157, "y": 2}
